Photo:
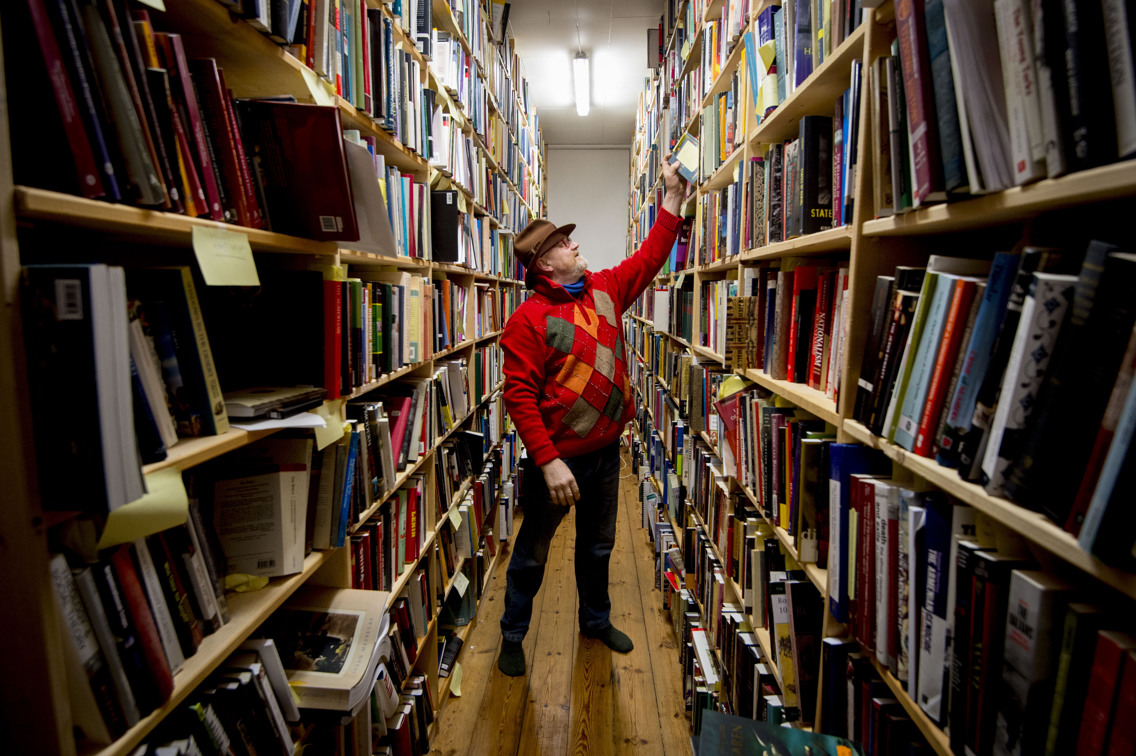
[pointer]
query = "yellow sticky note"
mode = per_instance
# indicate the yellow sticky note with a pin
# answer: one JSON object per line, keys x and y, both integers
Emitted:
{"x": 766, "y": 54}
{"x": 321, "y": 95}
{"x": 461, "y": 203}
{"x": 456, "y": 680}
{"x": 455, "y": 518}
{"x": 332, "y": 412}
{"x": 164, "y": 506}
{"x": 461, "y": 582}
{"x": 768, "y": 97}
{"x": 225, "y": 257}
{"x": 681, "y": 279}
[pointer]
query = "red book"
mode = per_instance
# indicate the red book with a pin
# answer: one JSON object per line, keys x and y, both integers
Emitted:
{"x": 1104, "y": 685}
{"x": 332, "y": 335}
{"x": 412, "y": 512}
{"x": 1122, "y": 739}
{"x": 87, "y": 172}
{"x": 214, "y": 110}
{"x": 182, "y": 85}
{"x": 355, "y": 562}
{"x": 922, "y": 126}
{"x": 866, "y": 563}
{"x": 893, "y": 589}
{"x": 944, "y": 364}
{"x": 801, "y": 318}
{"x": 135, "y": 599}
{"x": 256, "y": 220}
{"x": 364, "y": 537}
{"x": 822, "y": 326}
{"x": 398, "y": 410}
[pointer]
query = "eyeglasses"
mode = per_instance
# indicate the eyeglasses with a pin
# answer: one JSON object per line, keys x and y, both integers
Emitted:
{"x": 565, "y": 242}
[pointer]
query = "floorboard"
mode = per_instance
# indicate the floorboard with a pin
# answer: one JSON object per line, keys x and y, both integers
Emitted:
{"x": 577, "y": 697}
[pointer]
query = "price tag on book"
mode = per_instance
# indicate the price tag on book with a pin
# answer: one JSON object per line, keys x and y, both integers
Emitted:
{"x": 461, "y": 582}
{"x": 225, "y": 257}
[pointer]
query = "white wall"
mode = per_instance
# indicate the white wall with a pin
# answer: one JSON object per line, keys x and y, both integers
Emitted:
{"x": 589, "y": 187}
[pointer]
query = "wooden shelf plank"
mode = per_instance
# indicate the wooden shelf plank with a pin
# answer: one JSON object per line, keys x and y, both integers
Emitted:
{"x": 150, "y": 226}
{"x": 937, "y": 739}
{"x": 1031, "y": 525}
{"x": 816, "y": 95}
{"x": 799, "y": 394}
{"x": 248, "y": 611}
{"x": 1012, "y": 205}
{"x": 823, "y": 242}
{"x": 708, "y": 354}
{"x": 189, "y": 452}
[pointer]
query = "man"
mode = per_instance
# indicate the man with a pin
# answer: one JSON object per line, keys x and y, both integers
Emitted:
{"x": 567, "y": 390}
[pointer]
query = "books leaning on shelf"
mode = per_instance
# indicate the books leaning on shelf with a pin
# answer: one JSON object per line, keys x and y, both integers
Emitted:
{"x": 974, "y": 364}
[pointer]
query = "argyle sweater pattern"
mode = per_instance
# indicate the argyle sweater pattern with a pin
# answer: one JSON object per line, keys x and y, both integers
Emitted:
{"x": 566, "y": 382}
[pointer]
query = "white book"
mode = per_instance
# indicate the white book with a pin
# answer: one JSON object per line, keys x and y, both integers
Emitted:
{"x": 1043, "y": 314}
{"x": 1019, "y": 80}
{"x": 269, "y": 656}
{"x": 886, "y": 509}
{"x": 911, "y": 524}
{"x": 1055, "y": 163}
{"x": 260, "y": 506}
{"x": 662, "y": 310}
{"x": 158, "y": 607}
{"x": 89, "y": 592}
{"x": 1121, "y": 73}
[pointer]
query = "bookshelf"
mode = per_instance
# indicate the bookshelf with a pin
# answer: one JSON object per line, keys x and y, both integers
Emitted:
{"x": 37, "y": 710}
{"x": 871, "y": 243}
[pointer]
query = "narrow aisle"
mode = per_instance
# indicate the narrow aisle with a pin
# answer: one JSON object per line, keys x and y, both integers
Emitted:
{"x": 578, "y": 697}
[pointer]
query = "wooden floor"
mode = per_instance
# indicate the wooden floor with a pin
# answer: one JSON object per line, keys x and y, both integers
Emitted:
{"x": 578, "y": 697}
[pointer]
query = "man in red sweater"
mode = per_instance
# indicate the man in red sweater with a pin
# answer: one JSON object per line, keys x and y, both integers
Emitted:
{"x": 567, "y": 390}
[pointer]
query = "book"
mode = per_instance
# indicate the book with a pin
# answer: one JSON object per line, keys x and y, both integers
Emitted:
{"x": 199, "y": 400}
{"x": 76, "y": 330}
{"x": 329, "y": 642}
{"x": 1100, "y": 702}
{"x": 260, "y": 496}
{"x": 1029, "y": 661}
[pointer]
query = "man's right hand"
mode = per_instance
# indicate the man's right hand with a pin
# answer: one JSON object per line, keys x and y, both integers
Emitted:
{"x": 561, "y": 483}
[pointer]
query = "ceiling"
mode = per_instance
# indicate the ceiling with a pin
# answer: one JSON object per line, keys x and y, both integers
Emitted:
{"x": 614, "y": 35}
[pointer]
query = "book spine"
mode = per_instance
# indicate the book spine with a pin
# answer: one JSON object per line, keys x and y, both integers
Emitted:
{"x": 143, "y": 621}
{"x": 946, "y": 109}
{"x": 159, "y": 606}
{"x": 179, "y": 70}
{"x": 917, "y": 85}
{"x": 952, "y": 335}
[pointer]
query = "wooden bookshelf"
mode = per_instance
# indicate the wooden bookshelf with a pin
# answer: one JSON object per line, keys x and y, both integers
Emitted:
{"x": 254, "y": 66}
{"x": 126, "y": 223}
{"x": 1109, "y": 182}
{"x": 936, "y": 738}
{"x": 806, "y": 398}
{"x": 822, "y": 243}
{"x": 248, "y": 611}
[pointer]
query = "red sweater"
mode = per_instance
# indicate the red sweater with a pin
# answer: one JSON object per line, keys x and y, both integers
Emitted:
{"x": 566, "y": 383}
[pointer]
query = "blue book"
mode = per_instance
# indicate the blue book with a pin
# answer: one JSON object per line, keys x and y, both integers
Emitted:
{"x": 348, "y": 488}
{"x": 1107, "y": 531}
{"x": 986, "y": 325}
{"x": 751, "y": 61}
{"x": 946, "y": 108}
{"x": 923, "y": 364}
{"x": 845, "y": 460}
{"x": 779, "y": 48}
{"x": 803, "y": 61}
{"x": 845, "y": 157}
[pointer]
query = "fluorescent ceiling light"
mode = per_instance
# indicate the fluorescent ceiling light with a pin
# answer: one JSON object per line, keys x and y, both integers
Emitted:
{"x": 580, "y": 77}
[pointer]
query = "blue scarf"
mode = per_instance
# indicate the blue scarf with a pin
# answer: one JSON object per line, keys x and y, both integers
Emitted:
{"x": 575, "y": 288}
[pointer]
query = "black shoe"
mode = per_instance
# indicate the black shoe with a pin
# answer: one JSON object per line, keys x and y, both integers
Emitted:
{"x": 613, "y": 639}
{"x": 511, "y": 660}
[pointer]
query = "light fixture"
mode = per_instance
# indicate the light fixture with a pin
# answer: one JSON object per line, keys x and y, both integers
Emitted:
{"x": 580, "y": 79}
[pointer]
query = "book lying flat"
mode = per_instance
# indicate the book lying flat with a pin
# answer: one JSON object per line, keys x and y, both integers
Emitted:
{"x": 272, "y": 401}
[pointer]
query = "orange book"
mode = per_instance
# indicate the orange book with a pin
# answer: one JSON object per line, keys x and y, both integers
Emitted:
{"x": 948, "y": 351}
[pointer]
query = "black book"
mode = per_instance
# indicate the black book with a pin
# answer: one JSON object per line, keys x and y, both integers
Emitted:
{"x": 445, "y": 224}
{"x": 127, "y": 643}
{"x": 151, "y": 448}
{"x": 1072, "y": 399}
{"x": 961, "y": 641}
{"x": 815, "y": 144}
{"x": 972, "y": 445}
{"x": 1092, "y": 123}
{"x": 883, "y": 296}
{"x": 268, "y": 335}
{"x": 899, "y": 328}
{"x": 176, "y": 594}
{"x": 776, "y": 198}
{"x": 835, "y": 653}
{"x": 449, "y": 655}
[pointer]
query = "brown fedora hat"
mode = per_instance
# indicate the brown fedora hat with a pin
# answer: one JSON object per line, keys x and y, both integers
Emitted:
{"x": 538, "y": 237}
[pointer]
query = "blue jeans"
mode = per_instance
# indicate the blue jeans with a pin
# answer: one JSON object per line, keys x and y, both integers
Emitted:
{"x": 597, "y": 476}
